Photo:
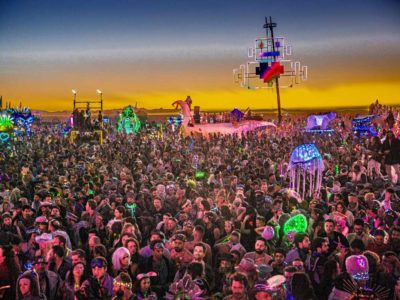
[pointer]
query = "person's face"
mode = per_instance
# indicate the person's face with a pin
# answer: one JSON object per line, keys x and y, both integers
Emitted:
{"x": 325, "y": 247}
{"x": 171, "y": 225}
{"x": 224, "y": 265}
{"x": 339, "y": 208}
{"x": 187, "y": 208}
{"x": 198, "y": 253}
{"x": 98, "y": 272}
{"x": 117, "y": 214}
{"x": 298, "y": 264}
{"x": 228, "y": 227}
{"x": 26, "y": 213}
{"x": 24, "y": 286}
{"x": 395, "y": 234}
{"x": 57, "y": 242}
{"x": 329, "y": 227}
{"x": 145, "y": 284}
{"x": 91, "y": 243}
{"x": 75, "y": 259}
{"x": 99, "y": 221}
{"x": 39, "y": 267}
{"x": 237, "y": 288}
{"x": 78, "y": 270}
{"x": 131, "y": 246}
{"x": 158, "y": 252}
{"x": 358, "y": 229}
{"x": 157, "y": 204}
{"x": 178, "y": 245}
{"x": 260, "y": 246}
{"x": 264, "y": 187}
{"x": 165, "y": 219}
{"x": 279, "y": 258}
{"x": 55, "y": 212}
{"x": 234, "y": 239}
{"x": 7, "y": 221}
{"x": 125, "y": 259}
{"x": 353, "y": 199}
{"x": 263, "y": 295}
{"x": 154, "y": 237}
{"x": 197, "y": 235}
{"x": 305, "y": 244}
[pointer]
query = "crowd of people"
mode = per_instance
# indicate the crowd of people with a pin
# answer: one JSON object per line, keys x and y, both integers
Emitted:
{"x": 158, "y": 215}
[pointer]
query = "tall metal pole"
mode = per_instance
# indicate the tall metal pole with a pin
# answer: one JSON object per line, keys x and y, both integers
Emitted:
{"x": 269, "y": 26}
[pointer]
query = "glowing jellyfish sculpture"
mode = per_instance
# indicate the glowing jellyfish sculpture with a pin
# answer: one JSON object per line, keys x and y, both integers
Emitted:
{"x": 6, "y": 128}
{"x": 306, "y": 167}
{"x": 128, "y": 121}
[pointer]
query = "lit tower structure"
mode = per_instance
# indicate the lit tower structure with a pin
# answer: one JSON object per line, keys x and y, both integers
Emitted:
{"x": 269, "y": 64}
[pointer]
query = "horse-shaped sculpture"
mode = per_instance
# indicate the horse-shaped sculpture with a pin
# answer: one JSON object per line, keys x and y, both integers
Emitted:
{"x": 222, "y": 128}
{"x": 320, "y": 122}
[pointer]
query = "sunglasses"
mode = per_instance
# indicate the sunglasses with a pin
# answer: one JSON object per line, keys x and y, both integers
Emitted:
{"x": 97, "y": 263}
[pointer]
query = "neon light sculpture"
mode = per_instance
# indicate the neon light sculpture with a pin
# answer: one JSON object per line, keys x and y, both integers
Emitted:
{"x": 363, "y": 125}
{"x": 23, "y": 120}
{"x": 175, "y": 120}
{"x": 270, "y": 63}
{"x": 128, "y": 121}
{"x": 297, "y": 223}
{"x": 237, "y": 115}
{"x": 320, "y": 123}
{"x": 189, "y": 127}
{"x": 6, "y": 128}
{"x": 306, "y": 165}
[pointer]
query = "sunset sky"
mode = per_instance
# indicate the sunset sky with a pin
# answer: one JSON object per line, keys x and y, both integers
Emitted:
{"x": 155, "y": 52}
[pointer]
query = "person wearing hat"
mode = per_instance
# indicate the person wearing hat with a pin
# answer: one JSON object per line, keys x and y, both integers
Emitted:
{"x": 143, "y": 289}
{"x": 179, "y": 254}
{"x": 224, "y": 271}
{"x": 42, "y": 224}
{"x": 100, "y": 284}
{"x": 49, "y": 281}
{"x": 159, "y": 263}
{"x": 122, "y": 287}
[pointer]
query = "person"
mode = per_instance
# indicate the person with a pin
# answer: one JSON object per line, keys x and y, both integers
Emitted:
{"x": 391, "y": 149}
{"x": 316, "y": 260}
{"x": 331, "y": 272}
{"x": 278, "y": 264}
{"x": 160, "y": 264}
{"x": 100, "y": 284}
{"x": 28, "y": 287}
{"x": 122, "y": 287}
{"x": 9, "y": 270}
{"x": 378, "y": 246}
{"x": 143, "y": 287}
{"x": 73, "y": 281}
{"x": 302, "y": 245}
{"x": 260, "y": 255}
{"x": 335, "y": 238}
{"x": 359, "y": 233}
{"x": 50, "y": 282}
{"x": 120, "y": 260}
{"x": 59, "y": 264}
{"x": 239, "y": 288}
{"x": 375, "y": 158}
{"x": 301, "y": 287}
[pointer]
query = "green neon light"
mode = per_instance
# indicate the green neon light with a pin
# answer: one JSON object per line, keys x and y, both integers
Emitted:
{"x": 297, "y": 223}
{"x": 128, "y": 121}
